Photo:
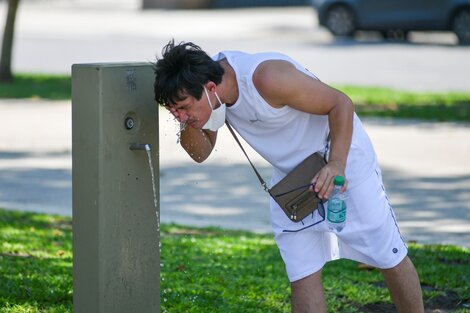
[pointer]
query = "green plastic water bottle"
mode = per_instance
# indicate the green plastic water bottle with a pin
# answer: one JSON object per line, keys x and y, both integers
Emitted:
{"x": 336, "y": 211}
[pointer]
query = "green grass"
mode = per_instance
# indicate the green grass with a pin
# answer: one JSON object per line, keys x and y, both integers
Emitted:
{"x": 35, "y": 263}
{"x": 55, "y": 87}
{"x": 369, "y": 101}
{"x": 212, "y": 270}
{"x": 385, "y": 102}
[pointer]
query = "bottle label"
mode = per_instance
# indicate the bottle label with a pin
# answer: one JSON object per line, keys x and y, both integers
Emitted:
{"x": 336, "y": 212}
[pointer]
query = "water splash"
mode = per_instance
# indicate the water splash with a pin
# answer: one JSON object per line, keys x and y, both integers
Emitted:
{"x": 182, "y": 128}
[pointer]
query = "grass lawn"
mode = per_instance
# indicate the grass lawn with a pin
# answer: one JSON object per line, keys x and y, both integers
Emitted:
{"x": 369, "y": 101}
{"x": 213, "y": 270}
{"x": 385, "y": 102}
{"x": 55, "y": 87}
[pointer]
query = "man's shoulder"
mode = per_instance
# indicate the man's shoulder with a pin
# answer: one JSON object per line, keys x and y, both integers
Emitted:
{"x": 243, "y": 56}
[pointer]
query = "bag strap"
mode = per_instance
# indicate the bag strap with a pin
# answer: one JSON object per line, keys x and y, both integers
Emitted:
{"x": 261, "y": 180}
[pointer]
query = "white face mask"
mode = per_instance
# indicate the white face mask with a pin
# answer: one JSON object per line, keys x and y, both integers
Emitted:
{"x": 217, "y": 118}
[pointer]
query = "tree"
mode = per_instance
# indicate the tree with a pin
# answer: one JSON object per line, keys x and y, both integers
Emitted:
{"x": 7, "y": 44}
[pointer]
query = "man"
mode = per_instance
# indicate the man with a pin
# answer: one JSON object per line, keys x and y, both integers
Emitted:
{"x": 285, "y": 113}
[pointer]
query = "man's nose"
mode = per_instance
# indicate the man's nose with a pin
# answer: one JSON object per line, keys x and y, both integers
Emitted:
{"x": 175, "y": 112}
{"x": 181, "y": 115}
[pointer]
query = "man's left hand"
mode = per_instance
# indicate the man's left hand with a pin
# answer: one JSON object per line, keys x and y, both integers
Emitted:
{"x": 323, "y": 182}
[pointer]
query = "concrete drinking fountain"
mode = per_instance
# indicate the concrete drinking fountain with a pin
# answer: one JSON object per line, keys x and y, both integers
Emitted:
{"x": 115, "y": 170}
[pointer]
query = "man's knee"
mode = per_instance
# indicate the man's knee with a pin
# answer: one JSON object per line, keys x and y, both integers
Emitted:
{"x": 307, "y": 294}
{"x": 405, "y": 265}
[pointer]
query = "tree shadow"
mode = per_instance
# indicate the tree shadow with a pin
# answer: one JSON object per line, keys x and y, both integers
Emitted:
{"x": 214, "y": 195}
{"x": 431, "y": 210}
{"x": 47, "y": 190}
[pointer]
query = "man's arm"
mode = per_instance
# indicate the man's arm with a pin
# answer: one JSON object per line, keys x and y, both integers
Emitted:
{"x": 198, "y": 143}
{"x": 280, "y": 84}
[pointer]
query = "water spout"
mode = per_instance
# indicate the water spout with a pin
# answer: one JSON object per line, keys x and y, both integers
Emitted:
{"x": 139, "y": 146}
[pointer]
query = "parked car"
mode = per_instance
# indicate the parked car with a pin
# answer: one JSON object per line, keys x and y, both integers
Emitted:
{"x": 344, "y": 17}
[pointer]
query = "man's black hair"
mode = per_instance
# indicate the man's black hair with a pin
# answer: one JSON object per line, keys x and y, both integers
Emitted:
{"x": 182, "y": 71}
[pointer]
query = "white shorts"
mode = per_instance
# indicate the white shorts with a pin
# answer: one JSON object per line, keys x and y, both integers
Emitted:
{"x": 371, "y": 234}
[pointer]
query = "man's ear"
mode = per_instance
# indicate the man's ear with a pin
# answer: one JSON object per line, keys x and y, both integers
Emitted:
{"x": 211, "y": 86}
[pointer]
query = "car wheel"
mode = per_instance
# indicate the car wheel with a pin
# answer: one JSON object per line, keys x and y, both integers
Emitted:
{"x": 340, "y": 21}
{"x": 461, "y": 26}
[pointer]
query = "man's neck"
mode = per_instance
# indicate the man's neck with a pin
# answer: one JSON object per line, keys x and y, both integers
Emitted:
{"x": 229, "y": 85}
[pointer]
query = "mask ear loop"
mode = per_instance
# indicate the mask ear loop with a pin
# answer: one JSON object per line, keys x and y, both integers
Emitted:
{"x": 208, "y": 99}
{"x": 218, "y": 99}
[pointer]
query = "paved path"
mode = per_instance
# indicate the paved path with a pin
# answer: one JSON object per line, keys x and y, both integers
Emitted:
{"x": 426, "y": 172}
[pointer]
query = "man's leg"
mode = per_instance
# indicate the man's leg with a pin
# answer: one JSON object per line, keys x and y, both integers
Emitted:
{"x": 405, "y": 288}
{"x": 307, "y": 295}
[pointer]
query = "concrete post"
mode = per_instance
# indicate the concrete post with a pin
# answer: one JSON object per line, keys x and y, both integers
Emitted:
{"x": 116, "y": 259}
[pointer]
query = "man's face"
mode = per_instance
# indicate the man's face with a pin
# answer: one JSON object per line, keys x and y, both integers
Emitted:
{"x": 191, "y": 111}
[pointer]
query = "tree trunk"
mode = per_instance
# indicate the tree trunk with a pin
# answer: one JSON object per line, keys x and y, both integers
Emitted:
{"x": 7, "y": 44}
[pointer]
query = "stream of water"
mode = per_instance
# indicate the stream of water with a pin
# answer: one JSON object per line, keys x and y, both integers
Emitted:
{"x": 154, "y": 186}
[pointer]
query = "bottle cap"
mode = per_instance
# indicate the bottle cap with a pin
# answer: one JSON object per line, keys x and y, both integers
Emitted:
{"x": 339, "y": 181}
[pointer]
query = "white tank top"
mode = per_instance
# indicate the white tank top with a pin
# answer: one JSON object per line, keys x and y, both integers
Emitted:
{"x": 286, "y": 136}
